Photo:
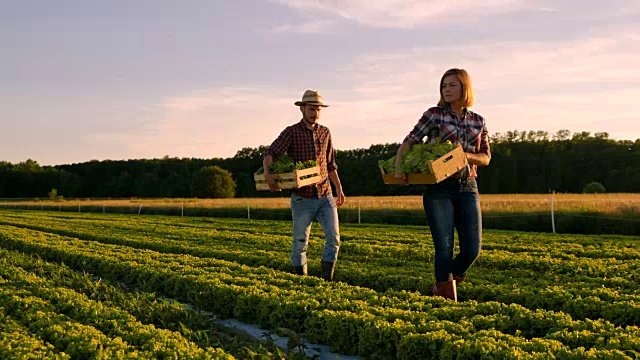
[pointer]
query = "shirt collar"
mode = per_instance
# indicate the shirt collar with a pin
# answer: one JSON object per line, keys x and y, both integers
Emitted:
{"x": 304, "y": 125}
{"x": 465, "y": 111}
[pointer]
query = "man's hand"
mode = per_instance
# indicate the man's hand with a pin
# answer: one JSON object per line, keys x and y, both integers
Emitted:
{"x": 271, "y": 181}
{"x": 339, "y": 197}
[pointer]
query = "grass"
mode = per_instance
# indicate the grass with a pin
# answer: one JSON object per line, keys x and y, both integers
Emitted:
{"x": 621, "y": 203}
{"x": 573, "y": 213}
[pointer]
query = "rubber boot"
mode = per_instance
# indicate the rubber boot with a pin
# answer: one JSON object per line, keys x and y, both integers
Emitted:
{"x": 446, "y": 289}
{"x": 327, "y": 270}
{"x": 300, "y": 270}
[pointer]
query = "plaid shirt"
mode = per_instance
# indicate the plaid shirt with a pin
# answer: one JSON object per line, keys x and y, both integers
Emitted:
{"x": 302, "y": 144}
{"x": 444, "y": 124}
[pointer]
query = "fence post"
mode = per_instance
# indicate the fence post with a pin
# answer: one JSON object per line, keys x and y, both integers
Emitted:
{"x": 358, "y": 211}
{"x": 182, "y": 209}
{"x": 248, "y": 212}
{"x": 103, "y": 209}
{"x": 553, "y": 220}
{"x": 78, "y": 207}
{"x": 140, "y": 210}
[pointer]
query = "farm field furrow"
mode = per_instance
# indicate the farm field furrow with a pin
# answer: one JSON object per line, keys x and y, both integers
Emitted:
{"x": 524, "y": 303}
{"x": 585, "y": 296}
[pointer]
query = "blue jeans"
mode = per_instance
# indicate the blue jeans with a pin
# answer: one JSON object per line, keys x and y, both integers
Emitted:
{"x": 304, "y": 211}
{"x": 454, "y": 203}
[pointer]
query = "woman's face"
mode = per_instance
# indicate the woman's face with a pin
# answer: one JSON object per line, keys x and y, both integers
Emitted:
{"x": 451, "y": 89}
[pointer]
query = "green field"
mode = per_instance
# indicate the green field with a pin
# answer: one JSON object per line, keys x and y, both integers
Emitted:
{"x": 79, "y": 285}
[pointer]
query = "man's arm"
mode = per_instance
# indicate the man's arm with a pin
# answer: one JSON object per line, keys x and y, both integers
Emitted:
{"x": 276, "y": 148}
{"x": 335, "y": 179}
{"x": 332, "y": 169}
{"x": 268, "y": 177}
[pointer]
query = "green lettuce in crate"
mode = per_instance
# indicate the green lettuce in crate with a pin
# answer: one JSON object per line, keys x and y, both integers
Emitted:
{"x": 306, "y": 164}
{"x": 417, "y": 159}
{"x": 388, "y": 165}
{"x": 284, "y": 164}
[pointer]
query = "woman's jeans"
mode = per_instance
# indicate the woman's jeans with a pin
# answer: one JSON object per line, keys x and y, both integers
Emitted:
{"x": 454, "y": 203}
{"x": 304, "y": 211}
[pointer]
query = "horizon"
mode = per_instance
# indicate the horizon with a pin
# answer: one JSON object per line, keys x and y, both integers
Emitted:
{"x": 84, "y": 80}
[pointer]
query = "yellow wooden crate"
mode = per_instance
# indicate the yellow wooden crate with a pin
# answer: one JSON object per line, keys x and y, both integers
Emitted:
{"x": 439, "y": 169}
{"x": 292, "y": 180}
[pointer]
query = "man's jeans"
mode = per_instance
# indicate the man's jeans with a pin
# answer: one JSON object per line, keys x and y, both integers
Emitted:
{"x": 304, "y": 211}
{"x": 448, "y": 204}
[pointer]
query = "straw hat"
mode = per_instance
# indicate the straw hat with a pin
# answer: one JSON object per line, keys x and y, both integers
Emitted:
{"x": 311, "y": 97}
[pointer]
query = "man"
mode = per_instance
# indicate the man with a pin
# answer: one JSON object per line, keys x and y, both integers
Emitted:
{"x": 308, "y": 140}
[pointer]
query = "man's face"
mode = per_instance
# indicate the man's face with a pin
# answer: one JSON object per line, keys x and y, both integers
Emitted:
{"x": 311, "y": 113}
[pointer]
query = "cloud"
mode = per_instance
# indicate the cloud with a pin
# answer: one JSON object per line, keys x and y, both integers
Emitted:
{"x": 584, "y": 85}
{"x": 312, "y": 27}
{"x": 404, "y": 13}
{"x": 581, "y": 85}
{"x": 502, "y": 71}
{"x": 206, "y": 123}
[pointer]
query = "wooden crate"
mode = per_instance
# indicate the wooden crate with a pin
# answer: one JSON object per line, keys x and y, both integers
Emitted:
{"x": 292, "y": 180}
{"x": 439, "y": 169}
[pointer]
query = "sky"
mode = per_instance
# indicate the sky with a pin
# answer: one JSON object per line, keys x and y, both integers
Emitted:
{"x": 84, "y": 80}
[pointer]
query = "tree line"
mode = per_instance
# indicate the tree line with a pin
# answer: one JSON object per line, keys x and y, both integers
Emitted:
{"x": 522, "y": 162}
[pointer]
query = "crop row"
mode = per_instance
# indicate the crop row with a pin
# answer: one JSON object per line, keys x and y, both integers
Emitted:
{"x": 344, "y": 316}
{"x": 553, "y": 245}
{"x": 146, "y": 307}
{"x": 85, "y": 328}
{"x": 196, "y": 240}
{"x": 16, "y": 341}
{"x": 581, "y": 296}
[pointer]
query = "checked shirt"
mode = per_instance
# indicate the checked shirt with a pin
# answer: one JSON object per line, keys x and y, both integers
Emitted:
{"x": 442, "y": 123}
{"x": 302, "y": 144}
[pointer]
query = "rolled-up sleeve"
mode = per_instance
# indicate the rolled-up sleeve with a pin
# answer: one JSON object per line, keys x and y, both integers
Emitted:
{"x": 281, "y": 144}
{"x": 484, "y": 142}
{"x": 420, "y": 130}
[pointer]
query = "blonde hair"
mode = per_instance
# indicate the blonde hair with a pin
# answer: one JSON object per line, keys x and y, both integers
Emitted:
{"x": 468, "y": 97}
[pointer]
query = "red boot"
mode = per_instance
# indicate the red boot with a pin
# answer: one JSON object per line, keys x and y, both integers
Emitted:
{"x": 446, "y": 289}
{"x": 458, "y": 279}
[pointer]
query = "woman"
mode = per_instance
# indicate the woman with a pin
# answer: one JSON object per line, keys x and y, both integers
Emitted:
{"x": 454, "y": 202}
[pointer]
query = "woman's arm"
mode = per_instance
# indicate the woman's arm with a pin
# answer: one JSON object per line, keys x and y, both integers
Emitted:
{"x": 406, "y": 146}
{"x": 479, "y": 159}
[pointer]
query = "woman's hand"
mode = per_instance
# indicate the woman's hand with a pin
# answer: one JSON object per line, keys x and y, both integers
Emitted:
{"x": 402, "y": 177}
